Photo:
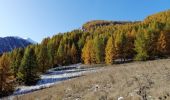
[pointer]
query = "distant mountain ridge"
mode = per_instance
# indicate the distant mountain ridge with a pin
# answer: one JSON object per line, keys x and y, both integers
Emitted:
{"x": 9, "y": 43}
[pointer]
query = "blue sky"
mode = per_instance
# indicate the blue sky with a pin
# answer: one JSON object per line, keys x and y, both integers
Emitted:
{"x": 38, "y": 19}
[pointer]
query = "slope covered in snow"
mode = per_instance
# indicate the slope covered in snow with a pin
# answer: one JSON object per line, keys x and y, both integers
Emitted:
{"x": 54, "y": 76}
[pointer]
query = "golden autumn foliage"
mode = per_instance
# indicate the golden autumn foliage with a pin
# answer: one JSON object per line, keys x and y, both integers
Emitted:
{"x": 110, "y": 51}
{"x": 88, "y": 54}
{"x": 74, "y": 54}
{"x": 95, "y": 43}
{"x": 6, "y": 77}
{"x": 94, "y": 51}
{"x": 163, "y": 45}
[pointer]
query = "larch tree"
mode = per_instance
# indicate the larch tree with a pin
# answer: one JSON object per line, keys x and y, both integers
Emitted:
{"x": 151, "y": 40}
{"x": 56, "y": 42}
{"x": 120, "y": 44}
{"x": 74, "y": 54}
{"x": 141, "y": 46}
{"x": 14, "y": 66}
{"x": 6, "y": 77}
{"x": 162, "y": 44}
{"x": 88, "y": 55}
{"x": 68, "y": 56}
{"x": 51, "y": 50}
{"x": 16, "y": 60}
{"x": 129, "y": 48}
{"x": 43, "y": 58}
{"x": 110, "y": 51}
{"x": 28, "y": 71}
{"x": 99, "y": 48}
{"x": 61, "y": 53}
{"x": 92, "y": 53}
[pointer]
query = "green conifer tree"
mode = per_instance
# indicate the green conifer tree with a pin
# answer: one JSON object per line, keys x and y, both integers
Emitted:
{"x": 28, "y": 71}
{"x": 43, "y": 58}
{"x": 99, "y": 49}
{"x": 141, "y": 47}
{"x": 74, "y": 54}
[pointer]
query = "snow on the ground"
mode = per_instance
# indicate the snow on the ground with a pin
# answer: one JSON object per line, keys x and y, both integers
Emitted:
{"x": 54, "y": 76}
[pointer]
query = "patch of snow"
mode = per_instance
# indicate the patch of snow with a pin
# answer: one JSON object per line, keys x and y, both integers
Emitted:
{"x": 54, "y": 76}
{"x": 30, "y": 40}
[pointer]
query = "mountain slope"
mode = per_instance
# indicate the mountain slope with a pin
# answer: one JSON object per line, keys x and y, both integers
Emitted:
{"x": 145, "y": 40}
{"x": 9, "y": 43}
{"x": 129, "y": 81}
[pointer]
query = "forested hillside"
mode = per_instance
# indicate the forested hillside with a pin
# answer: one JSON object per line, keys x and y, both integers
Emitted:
{"x": 97, "y": 42}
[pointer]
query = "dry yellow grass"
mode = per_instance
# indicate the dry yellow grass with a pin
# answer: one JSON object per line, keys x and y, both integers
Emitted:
{"x": 133, "y": 81}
